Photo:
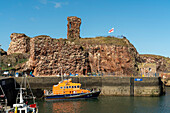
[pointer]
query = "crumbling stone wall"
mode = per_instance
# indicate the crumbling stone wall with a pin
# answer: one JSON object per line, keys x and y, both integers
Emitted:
{"x": 49, "y": 56}
{"x": 73, "y": 27}
{"x": 19, "y": 43}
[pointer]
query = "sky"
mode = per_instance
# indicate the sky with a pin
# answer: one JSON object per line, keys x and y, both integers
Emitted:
{"x": 145, "y": 23}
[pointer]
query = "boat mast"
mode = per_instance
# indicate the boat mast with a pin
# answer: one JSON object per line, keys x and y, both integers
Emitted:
{"x": 61, "y": 74}
{"x": 21, "y": 98}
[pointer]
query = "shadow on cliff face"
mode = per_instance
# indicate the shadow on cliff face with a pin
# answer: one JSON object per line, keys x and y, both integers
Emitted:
{"x": 13, "y": 61}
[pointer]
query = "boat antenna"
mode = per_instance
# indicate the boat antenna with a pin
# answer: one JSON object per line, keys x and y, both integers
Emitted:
{"x": 62, "y": 75}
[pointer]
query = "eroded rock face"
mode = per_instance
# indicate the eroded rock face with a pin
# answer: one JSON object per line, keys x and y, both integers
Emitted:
{"x": 111, "y": 59}
{"x": 73, "y": 27}
{"x": 161, "y": 63}
{"x": 2, "y": 52}
{"x": 50, "y": 56}
{"x": 19, "y": 43}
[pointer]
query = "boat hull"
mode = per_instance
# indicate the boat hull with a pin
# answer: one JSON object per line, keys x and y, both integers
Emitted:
{"x": 94, "y": 94}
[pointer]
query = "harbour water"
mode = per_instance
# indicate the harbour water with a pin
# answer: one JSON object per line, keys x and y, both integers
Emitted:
{"x": 110, "y": 104}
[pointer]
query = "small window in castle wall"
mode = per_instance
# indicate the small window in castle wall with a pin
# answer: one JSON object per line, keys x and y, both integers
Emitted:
{"x": 70, "y": 25}
{"x": 150, "y": 69}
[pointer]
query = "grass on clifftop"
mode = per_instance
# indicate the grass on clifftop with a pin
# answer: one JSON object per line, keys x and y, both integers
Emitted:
{"x": 102, "y": 40}
{"x": 154, "y": 56}
{"x": 97, "y": 40}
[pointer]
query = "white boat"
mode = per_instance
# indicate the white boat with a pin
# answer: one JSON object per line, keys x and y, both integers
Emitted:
{"x": 21, "y": 106}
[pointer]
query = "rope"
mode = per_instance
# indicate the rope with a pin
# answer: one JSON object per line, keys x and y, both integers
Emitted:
{"x": 31, "y": 91}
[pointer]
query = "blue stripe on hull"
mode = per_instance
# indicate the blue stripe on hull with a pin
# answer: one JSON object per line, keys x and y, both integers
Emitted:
{"x": 72, "y": 96}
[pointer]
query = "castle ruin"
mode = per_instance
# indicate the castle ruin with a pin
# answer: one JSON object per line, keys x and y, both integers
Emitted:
{"x": 73, "y": 27}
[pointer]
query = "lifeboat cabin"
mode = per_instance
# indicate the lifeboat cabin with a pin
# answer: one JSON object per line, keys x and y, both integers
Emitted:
{"x": 67, "y": 87}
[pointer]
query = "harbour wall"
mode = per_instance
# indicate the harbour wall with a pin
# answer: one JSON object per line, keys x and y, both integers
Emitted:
{"x": 112, "y": 86}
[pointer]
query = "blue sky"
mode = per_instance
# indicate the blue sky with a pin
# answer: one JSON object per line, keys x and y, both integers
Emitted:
{"x": 146, "y": 23}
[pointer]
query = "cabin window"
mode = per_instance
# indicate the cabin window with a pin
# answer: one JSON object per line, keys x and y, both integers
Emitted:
{"x": 69, "y": 86}
{"x": 61, "y": 87}
{"x": 78, "y": 86}
{"x": 64, "y": 87}
{"x": 74, "y": 86}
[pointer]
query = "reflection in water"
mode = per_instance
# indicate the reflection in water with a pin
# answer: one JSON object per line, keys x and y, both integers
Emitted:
{"x": 110, "y": 104}
{"x": 72, "y": 107}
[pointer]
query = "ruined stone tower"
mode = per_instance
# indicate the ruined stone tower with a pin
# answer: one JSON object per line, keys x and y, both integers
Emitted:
{"x": 73, "y": 27}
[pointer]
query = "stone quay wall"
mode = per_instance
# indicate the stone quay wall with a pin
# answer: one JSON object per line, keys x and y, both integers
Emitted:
{"x": 111, "y": 86}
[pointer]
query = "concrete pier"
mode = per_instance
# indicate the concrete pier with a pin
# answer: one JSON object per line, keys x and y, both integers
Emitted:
{"x": 115, "y": 86}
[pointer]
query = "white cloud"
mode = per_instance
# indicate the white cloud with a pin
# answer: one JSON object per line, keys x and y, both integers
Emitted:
{"x": 57, "y": 5}
{"x": 43, "y": 1}
{"x": 36, "y": 7}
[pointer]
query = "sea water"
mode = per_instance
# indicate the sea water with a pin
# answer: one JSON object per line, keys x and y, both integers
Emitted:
{"x": 110, "y": 104}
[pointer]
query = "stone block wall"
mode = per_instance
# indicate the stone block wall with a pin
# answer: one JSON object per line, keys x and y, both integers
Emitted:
{"x": 113, "y": 86}
{"x": 116, "y": 86}
{"x": 149, "y": 86}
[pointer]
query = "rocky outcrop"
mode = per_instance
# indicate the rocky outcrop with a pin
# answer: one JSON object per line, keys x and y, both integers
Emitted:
{"x": 48, "y": 56}
{"x": 73, "y": 27}
{"x": 19, "y": 43}
{"x": 2, "y": 52}
{"x": 162, "y": 63}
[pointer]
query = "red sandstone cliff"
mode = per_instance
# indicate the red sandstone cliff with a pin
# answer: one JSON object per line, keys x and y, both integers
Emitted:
{"x": 107, "y": 55}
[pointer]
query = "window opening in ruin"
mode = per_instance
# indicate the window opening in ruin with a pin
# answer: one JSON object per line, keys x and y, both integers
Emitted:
{"x": 70, "y": 25}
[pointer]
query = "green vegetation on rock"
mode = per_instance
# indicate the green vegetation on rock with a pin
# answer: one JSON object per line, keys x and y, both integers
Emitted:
{"x": 101, "y": 40}
{"x": 15, "y": 60}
